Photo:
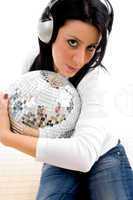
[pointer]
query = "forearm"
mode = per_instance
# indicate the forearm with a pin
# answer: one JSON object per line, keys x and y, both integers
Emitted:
{"x": 25, "y": 144}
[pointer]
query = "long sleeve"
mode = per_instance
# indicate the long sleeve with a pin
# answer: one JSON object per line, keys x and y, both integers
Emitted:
{"x": 91, "y": 137}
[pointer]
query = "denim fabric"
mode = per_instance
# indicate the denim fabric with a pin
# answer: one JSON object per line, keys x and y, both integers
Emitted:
{"x": 110, "y": 178}
{"x": 58, "y": 183}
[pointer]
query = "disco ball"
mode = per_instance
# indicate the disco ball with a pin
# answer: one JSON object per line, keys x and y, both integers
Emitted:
{"x": 45, "y": 100}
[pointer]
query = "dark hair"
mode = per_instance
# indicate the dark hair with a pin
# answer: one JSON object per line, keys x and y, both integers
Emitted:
{"x": 93, "y": 12}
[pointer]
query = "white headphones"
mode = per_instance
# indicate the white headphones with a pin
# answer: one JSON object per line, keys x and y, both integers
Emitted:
{"x": 45, "y": 28}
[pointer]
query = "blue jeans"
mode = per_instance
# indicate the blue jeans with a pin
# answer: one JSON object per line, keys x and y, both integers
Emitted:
{"x": 110, "y": 178}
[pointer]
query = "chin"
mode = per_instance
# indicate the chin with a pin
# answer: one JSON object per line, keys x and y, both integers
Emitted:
{"x": 72, "y": 75}
{"x": 69, "y": 75}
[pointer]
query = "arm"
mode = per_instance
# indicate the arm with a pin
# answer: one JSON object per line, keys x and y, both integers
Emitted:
{"x": 88, "y": 142}
{"x": 92, "y": 136}
{"x": 25, "y": 144}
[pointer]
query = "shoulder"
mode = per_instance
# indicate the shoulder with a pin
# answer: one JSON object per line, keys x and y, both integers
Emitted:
{"x": 96, "y": 91}
{"x": 97, "y": 79}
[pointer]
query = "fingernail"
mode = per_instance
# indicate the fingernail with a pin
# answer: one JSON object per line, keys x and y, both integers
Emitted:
{"x": 6, "y": 96}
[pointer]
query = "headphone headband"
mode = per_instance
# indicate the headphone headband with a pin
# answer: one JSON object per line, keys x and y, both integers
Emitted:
{"x": 108, "y": 5}
{"x": 45, "y": 28}
{"x": 52, "y": 3}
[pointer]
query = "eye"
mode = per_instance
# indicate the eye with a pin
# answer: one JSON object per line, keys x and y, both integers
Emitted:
{"x": 91, "y": 48}
{"x": 72, "y": 43}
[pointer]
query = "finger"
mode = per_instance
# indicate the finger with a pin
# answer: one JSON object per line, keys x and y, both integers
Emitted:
{"x": 1, "y": 95}
{"x": 5, "y": 96}
{"x": 4, "y": 101}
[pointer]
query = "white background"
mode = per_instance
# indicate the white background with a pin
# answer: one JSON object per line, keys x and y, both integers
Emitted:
{"x": 18, "y": 38}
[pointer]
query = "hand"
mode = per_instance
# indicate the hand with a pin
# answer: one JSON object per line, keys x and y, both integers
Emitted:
{"x": 26, "y": 144}
{"x": 26, "y": 130}
{"x": 5, "y": 132}
{"x": 4, "y": 117}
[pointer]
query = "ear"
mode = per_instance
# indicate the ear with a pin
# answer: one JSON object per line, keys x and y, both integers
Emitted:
{"x": 45, "y": 30}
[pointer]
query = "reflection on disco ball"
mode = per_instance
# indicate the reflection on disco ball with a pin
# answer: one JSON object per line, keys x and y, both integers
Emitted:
{"x": 44, "y": 100}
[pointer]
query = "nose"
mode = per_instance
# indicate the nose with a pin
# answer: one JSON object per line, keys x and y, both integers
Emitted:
{"x": 79, "y": 58}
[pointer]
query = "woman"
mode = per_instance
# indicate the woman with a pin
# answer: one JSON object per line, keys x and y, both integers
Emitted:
{"x": 73, "y": 37}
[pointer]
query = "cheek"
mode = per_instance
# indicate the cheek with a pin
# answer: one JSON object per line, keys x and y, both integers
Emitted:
{"x": 65, "y": 54}
{"x": 90, "y": 56}
{"x": 59, "y": 53}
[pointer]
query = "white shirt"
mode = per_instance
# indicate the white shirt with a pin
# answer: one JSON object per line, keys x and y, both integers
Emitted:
{"x": 92, "y": 136}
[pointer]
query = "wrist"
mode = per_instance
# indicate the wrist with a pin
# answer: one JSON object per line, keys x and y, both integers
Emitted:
{"x": 5, "y": 137}
{"x": 30, "y": 131}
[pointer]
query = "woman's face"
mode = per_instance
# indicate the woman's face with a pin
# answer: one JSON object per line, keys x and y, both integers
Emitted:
{"x": 74, "y": 46}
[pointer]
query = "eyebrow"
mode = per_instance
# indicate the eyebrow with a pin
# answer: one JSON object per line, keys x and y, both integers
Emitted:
{"x": 92, "y": 44}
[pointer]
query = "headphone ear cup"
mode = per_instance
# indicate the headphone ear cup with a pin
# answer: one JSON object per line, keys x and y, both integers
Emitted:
{"x": 45, "y": 30}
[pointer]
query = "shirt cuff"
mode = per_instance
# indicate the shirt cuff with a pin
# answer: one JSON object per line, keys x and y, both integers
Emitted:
{"x": 40, "y": 149}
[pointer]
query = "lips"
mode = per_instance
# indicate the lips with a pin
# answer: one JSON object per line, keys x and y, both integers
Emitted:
{"x": 72, "y": 68}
